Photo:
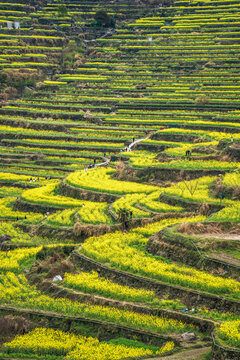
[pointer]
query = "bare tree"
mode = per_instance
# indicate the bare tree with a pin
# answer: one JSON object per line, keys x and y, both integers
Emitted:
{"x": 190, "y": 186}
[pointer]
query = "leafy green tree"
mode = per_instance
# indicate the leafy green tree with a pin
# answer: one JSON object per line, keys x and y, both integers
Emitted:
{"x": 62, "y": 10}
{"x": 102, "y": 18}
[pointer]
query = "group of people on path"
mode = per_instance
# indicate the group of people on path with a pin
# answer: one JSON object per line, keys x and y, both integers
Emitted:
{"x": 128, "y": 148}
{"x": 90, "y": 166}
{"x": 33, "y": 180}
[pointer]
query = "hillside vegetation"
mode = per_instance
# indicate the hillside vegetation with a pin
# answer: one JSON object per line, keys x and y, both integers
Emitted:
{"x": 119, "y": 179}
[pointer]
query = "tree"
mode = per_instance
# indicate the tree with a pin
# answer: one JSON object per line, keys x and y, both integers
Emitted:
{"x": 125, "y": 218}
{"x": 190, "y": 185}
{"x": 102, "y": 18}
{"x": 62, "y": 10}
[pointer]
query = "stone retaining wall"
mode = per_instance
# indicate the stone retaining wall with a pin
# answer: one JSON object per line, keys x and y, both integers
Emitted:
{"x": 104, "y": 329}
{"x": 68, "y": 190}
{"x": 22, "y": 205}
{"x": 234, "y": 152}
{"x": 171, "y": 244}
{"x": 203, "y": 325}
{"x": 170, "y": 174}
{"x": 220, "y": 352}
{"x": 187, "y": 296}
{"x": 171, "y": 200}
{"x": 10, "y": 143}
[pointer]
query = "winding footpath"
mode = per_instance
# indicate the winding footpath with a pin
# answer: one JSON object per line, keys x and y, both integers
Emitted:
{"x": 193, "y": 354}
{"x": 129, "y": 148}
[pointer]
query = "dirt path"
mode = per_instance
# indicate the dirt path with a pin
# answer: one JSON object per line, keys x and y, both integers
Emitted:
{"x": 223, "y": 236}
{"x": 193, "y": 354}
{"x": 226, "y": 258}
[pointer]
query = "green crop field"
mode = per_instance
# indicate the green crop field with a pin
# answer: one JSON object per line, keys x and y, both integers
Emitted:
{"x": 119, "y": 179}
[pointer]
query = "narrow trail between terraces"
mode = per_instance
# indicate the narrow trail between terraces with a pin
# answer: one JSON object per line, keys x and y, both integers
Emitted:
{"x": 193, "y": 354}
{"x": 129, "y": 148}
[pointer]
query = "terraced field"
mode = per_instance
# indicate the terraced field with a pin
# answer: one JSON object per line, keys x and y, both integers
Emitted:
{"x": 119, "y": 180}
